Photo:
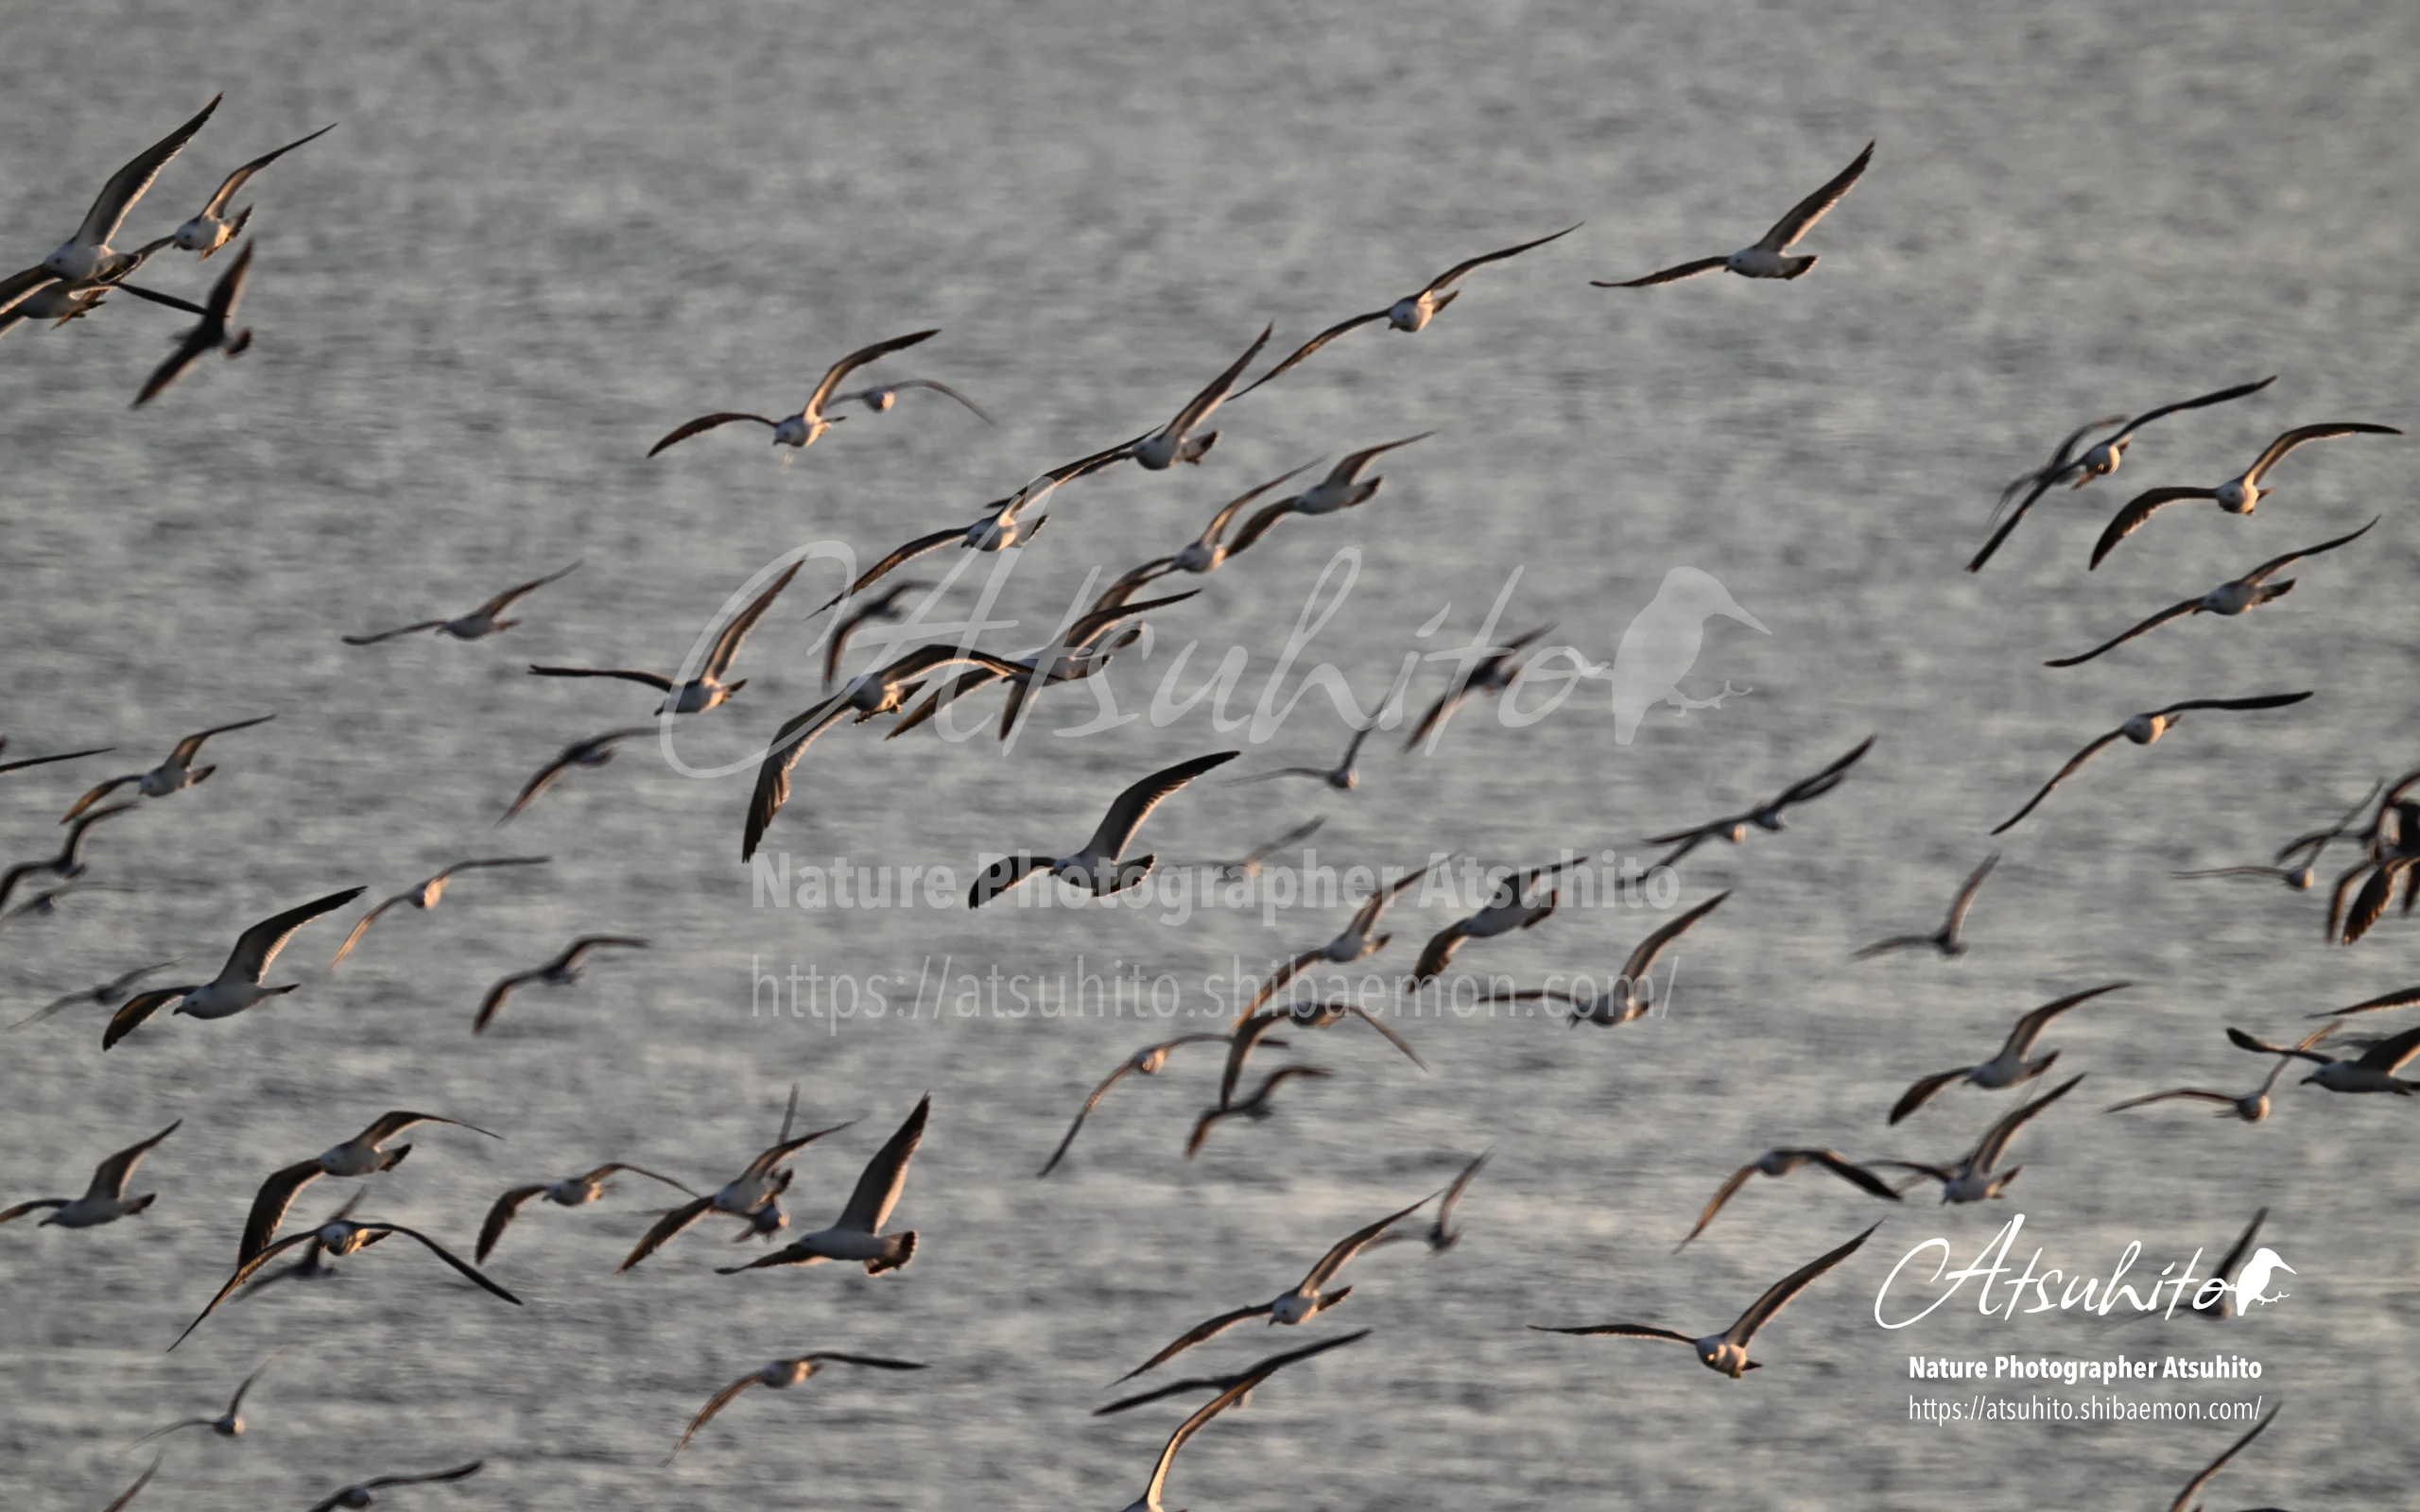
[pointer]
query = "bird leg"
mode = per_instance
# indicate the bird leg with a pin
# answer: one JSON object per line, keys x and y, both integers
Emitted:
{"x": 1684, "y": 703}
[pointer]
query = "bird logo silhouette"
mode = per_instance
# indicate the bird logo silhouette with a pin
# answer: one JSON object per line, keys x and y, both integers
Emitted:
{"x": 2252, "y": 1284}
{"x": 1660, "y": 646}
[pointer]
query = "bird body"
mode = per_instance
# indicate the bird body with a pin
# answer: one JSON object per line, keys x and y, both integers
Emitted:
{"x": 104, "y": 1199}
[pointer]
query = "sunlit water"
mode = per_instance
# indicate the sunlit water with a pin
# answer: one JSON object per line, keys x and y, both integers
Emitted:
{"x": 538, "y": 241}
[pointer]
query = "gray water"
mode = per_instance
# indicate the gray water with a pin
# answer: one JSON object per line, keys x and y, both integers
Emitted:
{"x": 539, "y": 240}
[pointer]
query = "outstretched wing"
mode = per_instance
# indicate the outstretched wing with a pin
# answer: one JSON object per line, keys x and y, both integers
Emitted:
{"x": 1761, "y": 1311}
{"x": 859, "y": 359}
{"x": 1002, "y": 874}
{"x": 707, "y": 423}
{"x": 2283, "y": 444}
{"x": 126, "y": 186}
{"x": 234, "y": 183}
{"x": 257, "y": 947}
{"x": 1803, "y": 215}
{"x": 132, "y": 1013}
{"x": 1668, "y": 275}
{"x": 664, "y": 1228}
{"x": 500, "y": 1218}
{"x": 1354, "y": 1243}
{"x": 1452, "y": 275}
{"x": 1644, "y": 957}
{"x": 1134, "y": 805}
{"x": 2137, "y": 513}
{"x": 2059, "y": 776}
{"x": 1313, "y": 345}
{"x": 1195, "y": 1335}
{"x": 2174, "y": 611}
{"x": 884, "y": 1175}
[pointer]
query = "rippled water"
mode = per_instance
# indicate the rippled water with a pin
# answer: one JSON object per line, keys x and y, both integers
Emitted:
{"x": 537, "y": 241}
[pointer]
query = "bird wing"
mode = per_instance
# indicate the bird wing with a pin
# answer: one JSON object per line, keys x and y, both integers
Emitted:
{"x": 2264, "y": 700}
{"x": 859, "y": 359}
{"x": 1644, "y": 957}
{"x": 1452, "y": 275}
{"x": 500, "y": 1218}
{"x": 1002, "y": 874}
{"x": 2234, "y": 1257}
{"x": 1227, "y": 512}
{"x": 2244, "y": 1041}
{"x": 504, "y": 600}
{"x": 783, "y": 1148}
{"x": 2059, "y": 776}
{"x": 2193, "y": 1487}
{"x": 873, "y": 1362}
{"x": 2389, "y": 1055}
{"x": 257, "y": 947}
{"x": 1627, "y": 1331}
{"x": 1896, "y": 942}
{"x": 1134, "y": 805}
{"x": 378, "y": 636}
{"x": 1453, "y": 1193}
{"x": 884, "y": 1175}
{"x": 1259, "y": 525}
{"x": 456, "y": 1473}
{"x": 2196, "y": 1093}
{"x": 20, "y": 286}
{"x": 2028, "y": 1028}
{"x": 1213, "y": 1383}
{"x": 2400, "y": 998}
{"x": 361, "y": 927}
{"x": 1761, "y": 1311}
{"x": 189, "y": 747}
{"x": 140, "y": 1482}
{"x": 2174, "y": 611}
{"x": 772, "y": 787}
{"x": 10, "y": 1215}
{"x": 1197, "y": 1332}
{"x": 1723, "y": 1194}
{"x": 726, "y": 649}
{"x": 234, "y": 183}
{"x": 2283, "y": 444}
{"x": 1392, "y": 1037}
{"x": 914, "y": 549}
{"x": 1352, "y": 1245}
{"x": 660, "y": 685}
{"x": 391, "y": 1124}
{"x": 1313, "y": 345}
{"x": 6, "y": 767}
{"x": 1921, "y": 1093}
{"x": 612, "y": 1166}
{"x": 227, "y": 294}
{"x": 270, "y": 1204}
{"x": 1826, "y": 780}
{"x": 126, "y": 186}
{"x": 1803, "y": 215}
{"x": 664, "y": 1228}
{"x": 1199, "y": 407}
{"x": 2222, "y": 396}
{"x": 2261, "y": 571}
{"x": 1670, "y": 275}
{"x": 939, "y": 387}
{"x": 1849, "y": 1171}
{"x": 135, "y": 1009}
{"x": 110, "y": 1175}
{"x": 1995, "y": 1138}
{"x": 1086, "y": 1111}
{"x": 98, "y": 793}
{"x": 2137, "y": 512}
{"x": 468, "y": 1270}
{"x": 714, "y": 1404}
{"x": 1241, "y": 1041}
{"x": 707, "y": 423}
{"x": 1438, "y": 953}
{"x": 243, "y": 1273}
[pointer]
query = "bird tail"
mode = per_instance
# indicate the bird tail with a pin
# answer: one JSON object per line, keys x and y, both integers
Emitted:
{"x": 394, "y": 1157}
{"x": 241, "y": 344}
{"x": 1362, "y": 492}
{"x": 1197, "y": 448}
{"x": 1798, "y": 266}
{"x": 139, "y": 1204}
{"x": 275, "y": 991}
{"x": 902, "y": 1249}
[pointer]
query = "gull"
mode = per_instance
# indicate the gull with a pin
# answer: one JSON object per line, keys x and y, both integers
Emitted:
{"x": 2009, "y": 1066}
{"x": 315, "y": 1263}
{"x": 1442, "y": 1235}
{"x": 1413, "y": 310}
{"x": 2185, "y": 1502}
{"x": 2250, "y": 1106}
{"x": 2312, "y": 846}
{"x": 2296, "y": 863}
{"x": 361, "y": 1154}
{"x": 214, "y": 228}
{"x": 1632, "y": 994}
{"x": 173, "y": 774}
{"x": 2373, "y": 1072}
{"x": 2223, "y": 1305}
{"x": 108, "y": 994}
{"x": 2235, "y": 596}
{"x": 1767, "y": 816}
{"x": 19, "y": 289}
{"x": 1974, "y": 1178}
{"x": 2300, "y": 878}
{"x": 1950, "y": 939}
{"x": 359, "y": 1494}
{"x": 140, "y": 1482}
{"x": 2079, "y": 468}
{"x": 883, "y": 691}
{"x": 425, "y": 895}
{"x": 1245, "y": 1378}
{"x": 1344, "y": 776}
{"x": 87, "y": 256}
{"x": 2142, "y": 730}
{"x": 1728, "y": 1352}
{"x": 1496, "y": 672}
{"x": 1207, "y": 552}
{"x": 477, "y": 625}
{"x": 341, "y": 1236}
{"x": 229, "y": 1424}
{"x": 884, "y": 608}
{"x": 2391, "y": 852}
{"x": 882, "y": 396}
{"x": 2400, "y": 998}
{"x": 2239, "y": 495}
{"x": 1358, "y": 942}
{"x": 105, "y": 1199}
{"x": 1782, "y": 1162}
{"x": 1098, "y": 865}
{"x": 707, "y": 690}
{"x": 571, "y": 1192}
{"x": 560, "y": 971}
{"x": 595, "y": 751}
{"x": 1255, "y": 1029}
{"x": 1083, "y": 650}
{"x": 69, "y": 862}
{"x": 1001, "y": 526}
{"x": 802, "y": 428}
{"x": 781, "y": 1375}
{"x": 238, "y": 986}
{"x": 1299, "y": 1303}
{"x": 1770, "y": 257}
{"x": 1149, "y": 1061}
{"x": 212, "y": 334}
{"x": 60, "y": 302}
{"x": 5, "y": 767}
{"x": 1175, "y": 441}
{"x": 755, "y": 1190}
{"x": 856, "y": 1234}
{"x": 1343, "y": 489}
{"x": 1255, "y": 1108}
{"x": 1248, "y": 864}
{"x": 1506, "y": 911}
{"x": 45, "y": 903}
{"x": 1232, "y": 1396}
